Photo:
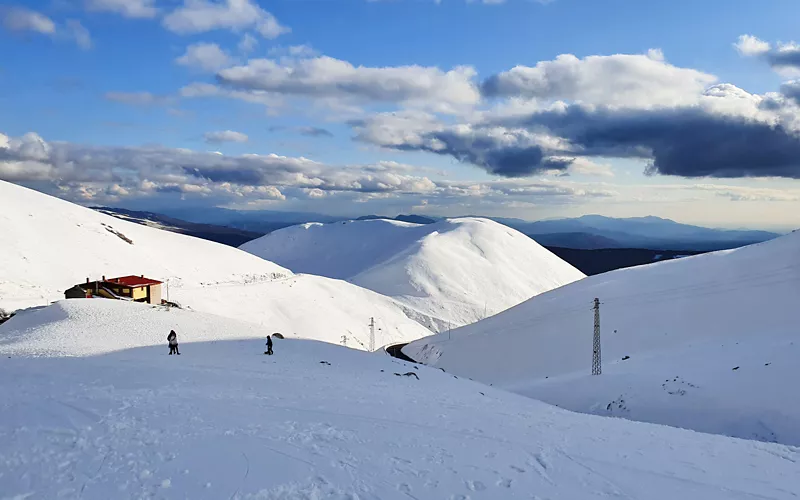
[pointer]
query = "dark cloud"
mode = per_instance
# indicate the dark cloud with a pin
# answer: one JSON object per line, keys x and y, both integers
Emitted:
{"x": 785, "y": 58}
{"x": 306, "y": 131}
{"x": 687, "y": 142}
{"x": 221, "y": 174}
{"x": 780, "y": 56}
{"x": 491, "y": 148}
{"x": 493, "y": 155}
{"x": 727, "y": 132}
{"x": 792, "y": 90}
{"x": 102, "y": 175}
{"x": 487, "y": 152}
{"x": 314, "y": 132}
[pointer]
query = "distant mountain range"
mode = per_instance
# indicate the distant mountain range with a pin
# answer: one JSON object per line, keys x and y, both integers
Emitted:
{"x": 638, "y": 232}
{"x": 589, "y": 232}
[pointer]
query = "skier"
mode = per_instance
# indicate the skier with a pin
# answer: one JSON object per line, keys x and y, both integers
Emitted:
{"x": 172, "y": 339}
{"x": 269, "y": 346}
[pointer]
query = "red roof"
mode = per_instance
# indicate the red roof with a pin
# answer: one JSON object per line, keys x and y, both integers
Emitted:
{"x": 134, "y": 281}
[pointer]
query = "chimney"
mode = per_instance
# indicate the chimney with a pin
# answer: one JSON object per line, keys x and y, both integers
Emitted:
{"x": 104, "y": 277}
{"x": 143, "y": 276}
{"x": 87, "y": 280}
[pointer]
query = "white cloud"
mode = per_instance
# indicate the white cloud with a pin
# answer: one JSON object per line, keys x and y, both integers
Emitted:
{"x": 91, "y": 174}
{"x": 748, "y": 45}
{"x": 586, "y": 167}
{"x": 326, "y": 77}
{"x": 248, "y": 43}
{"x": 202, "y": 89}
{"x": 127, "y": 8}
{"x": 136, "y": 98}
{"x": 296, "y": 51}
{"x": 205, "y": 56}
{"x": 79, "y": 34}
{"x": 783, "y": 57}
{"x": 19, "y": 19}
{"x": 617, "y": 80}
{"x": 224, "y": 136}
{"x": 199, "y": 16}
{"x": 670, "y": 127}
{"x": 22, "y": 19}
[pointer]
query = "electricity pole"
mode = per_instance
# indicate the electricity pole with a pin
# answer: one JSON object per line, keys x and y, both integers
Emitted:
{"x": 597, "y": 367}
{"x": 371, "y": 334}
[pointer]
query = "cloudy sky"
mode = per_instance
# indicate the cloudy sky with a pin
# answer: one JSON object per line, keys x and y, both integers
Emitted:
{"x": 519, "y": 108}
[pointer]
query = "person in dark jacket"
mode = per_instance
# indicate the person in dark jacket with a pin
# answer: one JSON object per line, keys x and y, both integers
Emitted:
{"x": 172, "y": 339}
{"x": 269, "y": 346}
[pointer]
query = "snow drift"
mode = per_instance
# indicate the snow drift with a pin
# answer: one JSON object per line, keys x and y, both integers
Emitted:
{"x": 50, "y": 245}
{"x": 722, "y": 322}
{"x": 317, "y": 421}
{"x": 449, "y": 273}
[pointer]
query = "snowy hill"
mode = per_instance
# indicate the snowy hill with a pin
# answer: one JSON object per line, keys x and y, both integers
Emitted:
{"x": 685, "y": 327}
{"x": 317, "y": 421}
{"x": 449, "y": 273}
{"x": 49, "y": 245}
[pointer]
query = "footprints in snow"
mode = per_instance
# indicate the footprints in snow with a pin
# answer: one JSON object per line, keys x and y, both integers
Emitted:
{"x": 677, "y": 386}
{"x": 475, "y": 485}
{"x": 617, "y": 406}
{"x": 482, "y": 485}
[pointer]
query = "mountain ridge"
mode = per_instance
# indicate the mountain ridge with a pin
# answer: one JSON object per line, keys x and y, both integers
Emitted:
{"x": 454, "y": 271}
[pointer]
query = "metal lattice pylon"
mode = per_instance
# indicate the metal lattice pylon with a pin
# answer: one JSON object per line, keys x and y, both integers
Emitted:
{"x": 597, "y": 364}
{"x": 371, "y": 334}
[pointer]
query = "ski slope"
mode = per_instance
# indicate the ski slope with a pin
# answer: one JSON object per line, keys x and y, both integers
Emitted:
{"x": 316, "y": 421}
{"x": 690, "y": 321}
{"x": 449, "y": 273}
{"x": 50, "y": 245}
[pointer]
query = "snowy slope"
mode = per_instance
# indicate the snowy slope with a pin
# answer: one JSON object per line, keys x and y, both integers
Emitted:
{"x": 676, "y": 320}
{"x": 50, "y": 245}
{"x": 225, "y": 421}
{"x": 449, "y": 273}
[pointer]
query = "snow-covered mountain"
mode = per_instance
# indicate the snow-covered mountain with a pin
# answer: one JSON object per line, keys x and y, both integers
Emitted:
{"x": 449, "y": 273}
{"x": 50, "y": 245}
{"x": 315, "y": 421}
{"x": 707, "y": 342}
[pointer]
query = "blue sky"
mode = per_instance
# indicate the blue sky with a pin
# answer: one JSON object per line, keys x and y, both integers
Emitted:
{"x": 518, "y": 108}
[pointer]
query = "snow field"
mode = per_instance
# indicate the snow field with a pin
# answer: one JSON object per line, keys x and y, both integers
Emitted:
{"x": 673, "y": 319}
{"x": 320, "y": 421}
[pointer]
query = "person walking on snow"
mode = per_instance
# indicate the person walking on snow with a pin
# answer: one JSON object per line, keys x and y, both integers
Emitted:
{"x": 172, "y": 338}
{"x": 269, "y": 346}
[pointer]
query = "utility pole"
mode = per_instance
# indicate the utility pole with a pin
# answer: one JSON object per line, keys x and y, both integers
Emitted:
{"x": 371, "y": 334}
{"x": 597, "y": 366}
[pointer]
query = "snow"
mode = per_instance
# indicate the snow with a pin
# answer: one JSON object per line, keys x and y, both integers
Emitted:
{"x": 225, "y": 421}
{"x": 681, "y": 322}
{"x": 50, "y": 245}
{"x": 449, "y": 273}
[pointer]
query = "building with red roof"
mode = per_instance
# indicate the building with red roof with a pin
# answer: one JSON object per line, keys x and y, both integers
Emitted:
{"x": 134, "y": 288}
